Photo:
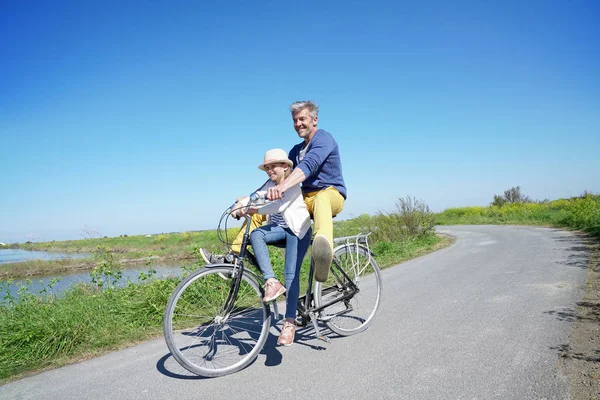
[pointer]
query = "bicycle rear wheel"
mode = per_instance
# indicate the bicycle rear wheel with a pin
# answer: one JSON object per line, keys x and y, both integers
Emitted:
{"x": 353, "y": 315}
{"x": 205, "y": 338}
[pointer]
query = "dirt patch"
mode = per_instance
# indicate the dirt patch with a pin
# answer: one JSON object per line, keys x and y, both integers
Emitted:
{"x": 580, "y": 359}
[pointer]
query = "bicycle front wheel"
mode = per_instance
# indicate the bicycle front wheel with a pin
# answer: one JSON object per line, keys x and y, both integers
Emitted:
{"x": 204, "y": 336}
{"x": 355, "y": 313}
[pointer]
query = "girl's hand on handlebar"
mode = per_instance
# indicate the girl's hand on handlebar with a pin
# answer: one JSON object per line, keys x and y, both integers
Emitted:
{"x": 237, "y": 213}
{"x": 251, "y": 210}
{"x": 238, "y": 210}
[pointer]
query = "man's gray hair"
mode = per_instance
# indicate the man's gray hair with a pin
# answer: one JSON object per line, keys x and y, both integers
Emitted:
{"x": 313, "y": 108}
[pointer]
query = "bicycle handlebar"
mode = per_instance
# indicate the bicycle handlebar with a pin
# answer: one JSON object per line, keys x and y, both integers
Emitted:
{"x": 256, "y": 200}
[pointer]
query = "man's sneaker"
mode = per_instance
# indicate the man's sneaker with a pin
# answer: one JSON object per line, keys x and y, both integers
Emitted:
{"x": 322, "y": 254}
{"x": 210, "y": 258}
{"x": 273, "y": 289}
{"x": 286, "y": 337}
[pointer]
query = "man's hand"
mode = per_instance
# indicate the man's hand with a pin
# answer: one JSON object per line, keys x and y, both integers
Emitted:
{"x": 275, "y": 193}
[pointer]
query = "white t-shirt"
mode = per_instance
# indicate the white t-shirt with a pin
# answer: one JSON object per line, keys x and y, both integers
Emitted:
{"x": 301, "y": 154}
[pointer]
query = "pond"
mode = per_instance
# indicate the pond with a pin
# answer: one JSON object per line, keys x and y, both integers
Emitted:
{"x": 66, "y": 281}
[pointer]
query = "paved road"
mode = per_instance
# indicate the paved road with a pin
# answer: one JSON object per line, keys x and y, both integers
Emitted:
{"x": 482, "y": 319}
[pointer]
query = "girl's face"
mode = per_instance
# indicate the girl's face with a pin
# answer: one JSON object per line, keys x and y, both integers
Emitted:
{"x": 276, "y": 171}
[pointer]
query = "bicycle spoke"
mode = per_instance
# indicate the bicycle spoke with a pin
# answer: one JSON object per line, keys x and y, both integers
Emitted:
{"x": 208, "y": 341}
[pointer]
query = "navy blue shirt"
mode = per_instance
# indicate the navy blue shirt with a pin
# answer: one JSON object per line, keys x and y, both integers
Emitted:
{"x": 321, "y": 164}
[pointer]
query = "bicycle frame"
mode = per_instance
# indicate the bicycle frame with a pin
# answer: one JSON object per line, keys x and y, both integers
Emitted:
{"x": 305, "y": 307}
{"x": 307, "y": 312}
{"x": 237, "y": 272}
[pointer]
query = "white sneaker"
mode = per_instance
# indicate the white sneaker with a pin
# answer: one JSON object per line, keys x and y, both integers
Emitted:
{"x": 210, "y": 258}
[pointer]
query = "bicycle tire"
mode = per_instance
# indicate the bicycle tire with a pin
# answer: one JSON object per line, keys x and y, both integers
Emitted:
{"x": 349, "y": 317}
{"x": 200, "y": 337}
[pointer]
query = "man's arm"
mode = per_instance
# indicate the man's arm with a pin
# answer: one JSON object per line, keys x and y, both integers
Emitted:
{"x": 297, "y": 176}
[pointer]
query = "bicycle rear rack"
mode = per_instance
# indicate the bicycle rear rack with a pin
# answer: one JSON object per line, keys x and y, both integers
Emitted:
{"x": 362, "y": 239}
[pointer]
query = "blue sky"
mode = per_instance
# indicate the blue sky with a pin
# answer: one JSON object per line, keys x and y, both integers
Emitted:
{"x": 148, "y": 117}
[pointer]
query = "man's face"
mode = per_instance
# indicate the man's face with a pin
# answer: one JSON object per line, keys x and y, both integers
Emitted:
{"x": 304, "y": 124}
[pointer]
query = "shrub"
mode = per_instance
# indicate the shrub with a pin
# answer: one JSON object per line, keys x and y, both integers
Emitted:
{"x": 161, "y": 238}
{"x": 512, "y": 195}
{"x": 412, "y": 217}
{"x": 415, "y": 215}
{"x": 107, "y": 271}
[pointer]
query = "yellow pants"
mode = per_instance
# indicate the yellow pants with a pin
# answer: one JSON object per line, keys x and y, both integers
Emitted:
{"x": 322, "y": 205}
{"x": 256, "y": 221}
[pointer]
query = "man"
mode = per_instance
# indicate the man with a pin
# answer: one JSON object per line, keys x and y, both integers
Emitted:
{"x": 317, "y": 165}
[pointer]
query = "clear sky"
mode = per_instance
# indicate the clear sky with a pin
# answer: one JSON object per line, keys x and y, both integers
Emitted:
{"x": 124, "y": 117}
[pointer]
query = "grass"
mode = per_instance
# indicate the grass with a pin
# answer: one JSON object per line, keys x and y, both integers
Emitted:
{"x": 580, "y": 213}
{"x": 43, "y": 268}
{"x": 46, "y": 331}
{"x": 41, "y": 330}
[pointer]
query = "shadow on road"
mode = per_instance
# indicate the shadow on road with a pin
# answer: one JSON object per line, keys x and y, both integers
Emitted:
{"x": 168, "y": 366}
{"x": 161, "y": 367}
{"x": 579, "y": 251}
{"x": 566, "y": 315}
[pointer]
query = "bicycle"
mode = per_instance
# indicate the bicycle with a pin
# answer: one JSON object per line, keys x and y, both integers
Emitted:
{"x": 216, "y": 323}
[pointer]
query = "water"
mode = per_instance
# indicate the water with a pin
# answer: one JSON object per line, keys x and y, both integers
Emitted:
{"x": 66, "y": 281}
{"x": 18, "y": 255}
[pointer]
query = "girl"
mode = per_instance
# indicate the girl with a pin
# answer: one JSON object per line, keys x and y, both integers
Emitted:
{"x": 288, "y": 224}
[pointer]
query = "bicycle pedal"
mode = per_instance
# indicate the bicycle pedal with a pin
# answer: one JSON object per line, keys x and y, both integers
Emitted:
{"x": 324, "y": 338}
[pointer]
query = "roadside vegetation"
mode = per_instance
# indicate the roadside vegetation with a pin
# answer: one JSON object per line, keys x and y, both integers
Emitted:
{"x": 44, "y": 330}
{"x": 579, "y": 213}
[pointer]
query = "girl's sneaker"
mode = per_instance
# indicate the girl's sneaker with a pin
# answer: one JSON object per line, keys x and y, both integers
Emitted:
{"x": 273, "y": 289}
{"x": 286, "y": 337}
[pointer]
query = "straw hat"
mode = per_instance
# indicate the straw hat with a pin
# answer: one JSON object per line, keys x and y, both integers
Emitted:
{"x": 274, "y": 156}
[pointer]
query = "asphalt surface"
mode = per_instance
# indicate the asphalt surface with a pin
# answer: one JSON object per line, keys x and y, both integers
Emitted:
{"x": 482, "y": 319}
